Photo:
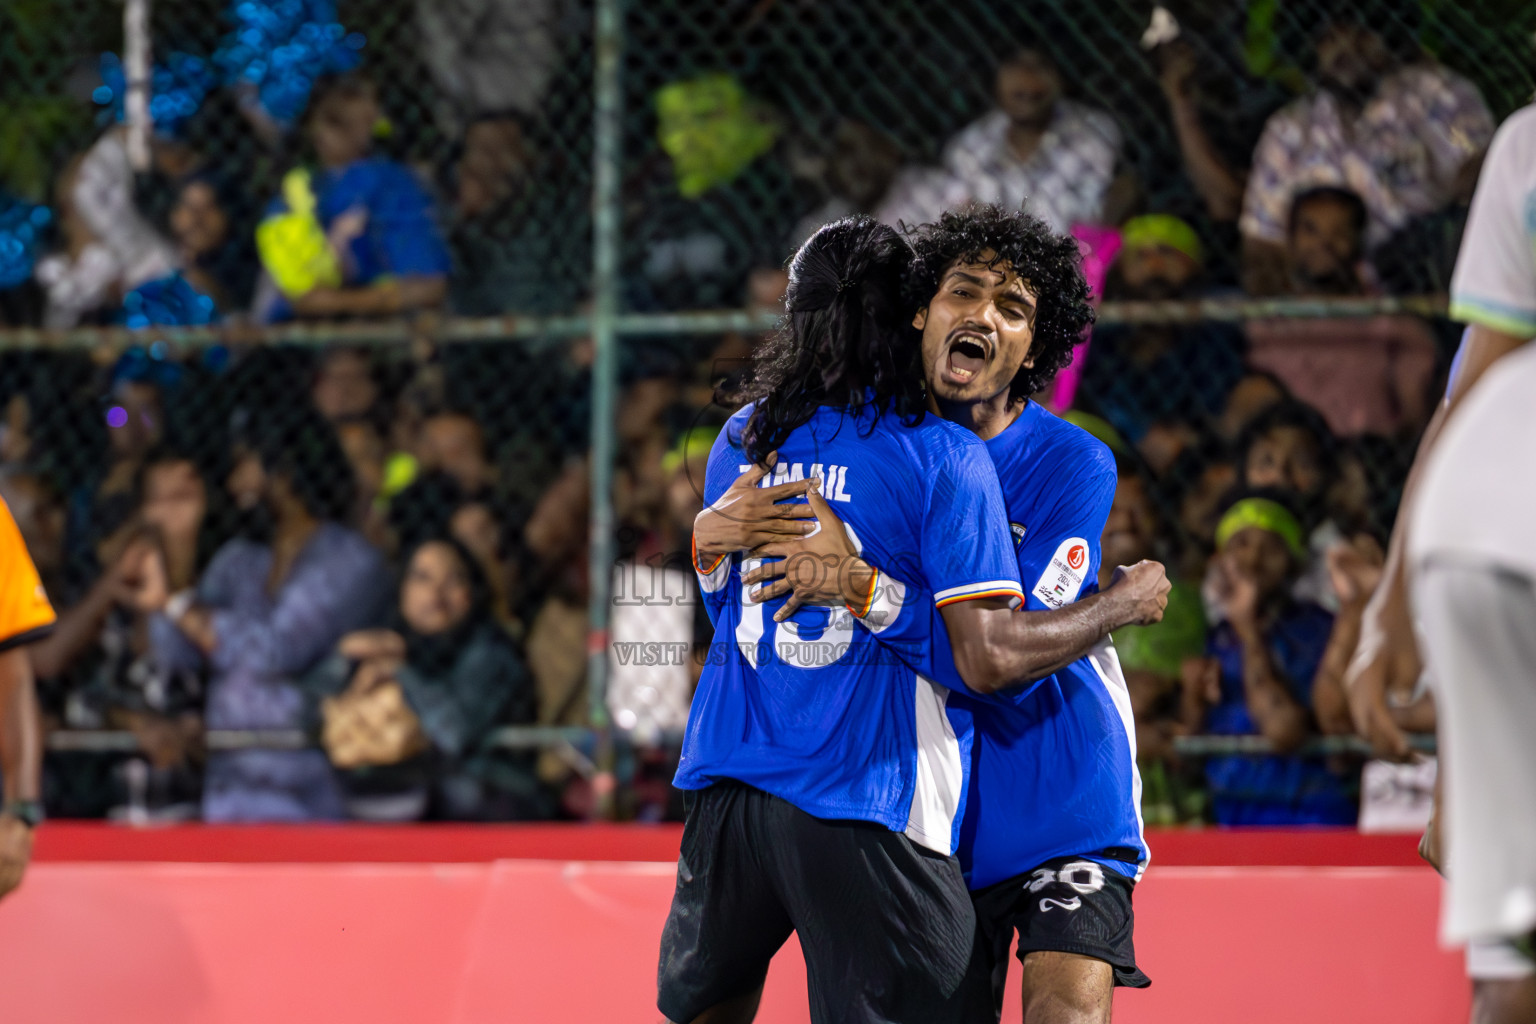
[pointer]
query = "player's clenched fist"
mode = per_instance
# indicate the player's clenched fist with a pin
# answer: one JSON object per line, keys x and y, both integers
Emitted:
{"x": 747, "y": 515}
{"x": 1143, "y": 590}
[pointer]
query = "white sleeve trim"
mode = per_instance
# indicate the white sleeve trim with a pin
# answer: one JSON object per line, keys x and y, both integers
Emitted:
{"x": 890, "y": 598}
{"x": 717, "y": 578}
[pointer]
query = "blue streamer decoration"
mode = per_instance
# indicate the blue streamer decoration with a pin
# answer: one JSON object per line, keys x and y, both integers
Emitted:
{"x": 281, "y": 46}
{"x": 23, "y": 226}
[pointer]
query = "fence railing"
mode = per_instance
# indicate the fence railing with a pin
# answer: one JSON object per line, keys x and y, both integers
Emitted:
{"x": 449, "y": 329}
{"x": 533, "y": 737}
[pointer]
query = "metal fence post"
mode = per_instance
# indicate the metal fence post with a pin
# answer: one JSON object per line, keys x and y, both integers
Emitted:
{"x": 607, "y": 143}
{"x": 136, "y": 73}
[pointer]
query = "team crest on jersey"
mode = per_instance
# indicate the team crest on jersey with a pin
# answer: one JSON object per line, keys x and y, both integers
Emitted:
{"x": 1063, "y": 579}
{"x": 1019, "y": 529}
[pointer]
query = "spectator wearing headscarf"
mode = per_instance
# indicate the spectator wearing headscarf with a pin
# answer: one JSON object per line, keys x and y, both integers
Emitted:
{"x": 407, "y": 708}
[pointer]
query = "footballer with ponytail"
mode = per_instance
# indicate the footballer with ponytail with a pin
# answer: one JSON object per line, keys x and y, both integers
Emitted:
{"x": 845, "y": 341}
{"x": 808, "y": 719}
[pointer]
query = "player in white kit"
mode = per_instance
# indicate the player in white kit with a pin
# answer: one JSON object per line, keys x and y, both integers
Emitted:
{"x": 1469, "y": 552}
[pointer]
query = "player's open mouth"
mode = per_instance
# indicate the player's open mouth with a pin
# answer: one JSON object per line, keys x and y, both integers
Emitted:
{"x": 967, "y": 357}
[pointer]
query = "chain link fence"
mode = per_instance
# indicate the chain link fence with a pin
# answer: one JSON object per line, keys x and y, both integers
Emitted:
{"x": 391, "y": 263}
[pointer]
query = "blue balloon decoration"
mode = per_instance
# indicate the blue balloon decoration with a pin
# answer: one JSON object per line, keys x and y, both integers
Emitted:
{"x": 176, "y": 89}
{"x": 23, "y": 226}
{"x": 281, "y": 46}
{"x": 169, "y": 301}
{"x": 136, "y": 366}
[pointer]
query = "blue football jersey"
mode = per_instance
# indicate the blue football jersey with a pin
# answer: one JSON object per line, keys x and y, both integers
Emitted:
{"x": 815, "y": 709}
{"x": 1053, "y": 765}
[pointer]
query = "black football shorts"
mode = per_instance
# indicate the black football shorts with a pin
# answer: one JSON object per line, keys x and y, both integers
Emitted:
{"x": 886, "y": 926}
{"x": 1067, "y": 905}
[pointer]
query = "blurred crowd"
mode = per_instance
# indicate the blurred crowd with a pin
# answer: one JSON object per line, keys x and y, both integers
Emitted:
{"x": 382, "y": 553}
{"x": 388, "y": 549}
{"x": 355, "y": 193}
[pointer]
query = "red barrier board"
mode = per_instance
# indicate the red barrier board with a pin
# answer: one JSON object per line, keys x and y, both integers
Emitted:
{"x": 534, "y": 940}
{"x": 59, "y": 841}
{"x": 451, "y": 844}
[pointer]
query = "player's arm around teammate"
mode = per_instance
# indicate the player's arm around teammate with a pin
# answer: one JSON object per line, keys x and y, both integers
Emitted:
{"x": 25, "y": 616}
{"x": 749, "y": 515}
{"x": 995, "y": 646}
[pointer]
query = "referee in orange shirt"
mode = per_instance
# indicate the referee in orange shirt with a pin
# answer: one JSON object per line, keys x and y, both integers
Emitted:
{"x": 25, "y": 616}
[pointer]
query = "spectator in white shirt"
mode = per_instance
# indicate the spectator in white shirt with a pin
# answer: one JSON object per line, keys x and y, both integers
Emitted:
{"x": 1037, "y": 151}
{"x": 1407, "y": 140}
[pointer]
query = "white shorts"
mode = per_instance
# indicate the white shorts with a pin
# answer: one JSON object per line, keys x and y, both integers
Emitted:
{"x": 1489, "y": 960}
{"x": 1479, "y": 624}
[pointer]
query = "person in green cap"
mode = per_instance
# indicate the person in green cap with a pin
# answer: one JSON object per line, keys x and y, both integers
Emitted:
{"x": 1147, "y": 375}
{"x": 1256, "y": 678}
{"x": 720, "y": 205}
{"x": 1161, "y": 256}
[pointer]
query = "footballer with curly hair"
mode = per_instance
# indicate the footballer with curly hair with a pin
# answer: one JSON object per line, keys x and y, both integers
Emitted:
{"x": 1051, "y": 840}
{"x": 982, "y": 260}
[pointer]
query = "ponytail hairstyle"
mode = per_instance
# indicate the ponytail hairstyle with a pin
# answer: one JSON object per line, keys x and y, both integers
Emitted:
{"x": 846, "y": 339}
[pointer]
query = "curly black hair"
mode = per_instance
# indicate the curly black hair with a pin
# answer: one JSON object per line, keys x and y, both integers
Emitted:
{"x": 846, "y": 340}
{"x": 1049, "y": 262}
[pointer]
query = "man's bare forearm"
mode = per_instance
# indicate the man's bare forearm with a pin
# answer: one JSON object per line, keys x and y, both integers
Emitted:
{"x": 1051, "y": 640}
{"x": 1019, "y": 647}
{"x": 995, "y": 647}
{"x": 20, "y": 728}
{"x": 1221, "y": 190}
{"x": 77, "y": 630}
{"x": 1278, "y": 717}
{"x": 1328, "y": 700}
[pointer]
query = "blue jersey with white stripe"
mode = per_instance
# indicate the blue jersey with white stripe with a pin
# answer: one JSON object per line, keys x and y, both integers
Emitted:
{"x": 815, "y": 709}
{"x": 1054, "y": 765}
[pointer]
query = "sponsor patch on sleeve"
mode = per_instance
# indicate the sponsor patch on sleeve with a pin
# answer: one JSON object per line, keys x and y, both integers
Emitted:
{"x": 1063, "y": 578}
